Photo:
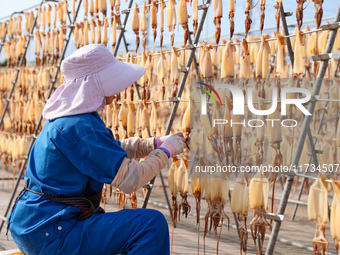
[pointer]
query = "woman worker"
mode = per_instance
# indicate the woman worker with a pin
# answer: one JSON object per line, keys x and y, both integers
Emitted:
{"x": 75, "y": 154}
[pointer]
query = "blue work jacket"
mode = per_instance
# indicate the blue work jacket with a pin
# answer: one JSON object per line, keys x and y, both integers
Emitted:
{"x": 72, "y": 156}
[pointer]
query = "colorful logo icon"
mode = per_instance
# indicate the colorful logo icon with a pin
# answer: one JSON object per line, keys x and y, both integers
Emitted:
{"x": 211, "y": 95}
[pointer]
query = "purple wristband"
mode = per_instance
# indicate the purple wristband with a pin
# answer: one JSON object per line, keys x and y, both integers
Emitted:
{"x": 156, "y": 141}
{"x": 166, "y": 151}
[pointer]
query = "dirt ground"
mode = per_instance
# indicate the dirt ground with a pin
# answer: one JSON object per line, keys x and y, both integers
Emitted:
{"x": 299, "y": 232}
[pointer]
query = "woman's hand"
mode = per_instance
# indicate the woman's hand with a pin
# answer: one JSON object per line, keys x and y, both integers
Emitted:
{"x": 161, "y": 139}
{"x": 174, "y": 144}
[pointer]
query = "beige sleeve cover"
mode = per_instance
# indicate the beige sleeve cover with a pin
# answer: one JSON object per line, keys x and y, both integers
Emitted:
{"x": 138, "y": 147}
{"x": 132, "y": 175}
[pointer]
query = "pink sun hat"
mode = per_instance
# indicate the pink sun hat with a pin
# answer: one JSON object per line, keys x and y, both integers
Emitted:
{"x": 113, "y": 75}
{"x": 90, "y": 74}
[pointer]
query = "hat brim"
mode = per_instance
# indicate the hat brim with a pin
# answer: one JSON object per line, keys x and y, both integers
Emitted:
{"x": 118, "y": 76}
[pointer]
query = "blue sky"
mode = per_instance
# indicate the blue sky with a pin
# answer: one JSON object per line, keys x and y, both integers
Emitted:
{"x": 330, "y": 7}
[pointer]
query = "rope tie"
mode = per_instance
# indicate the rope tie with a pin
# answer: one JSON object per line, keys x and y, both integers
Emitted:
{"x": 88, "y": 205}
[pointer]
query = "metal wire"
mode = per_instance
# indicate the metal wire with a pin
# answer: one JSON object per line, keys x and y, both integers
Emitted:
{"x": 234, "y": 43}
{"x": 141, "y": 6}
{"x": 156, "y": 54}
{"x": 311, "y": 177}
{"x": 270, "y": 28}
{"x": 271, "y": 39}
{"x": 161, "y": 101}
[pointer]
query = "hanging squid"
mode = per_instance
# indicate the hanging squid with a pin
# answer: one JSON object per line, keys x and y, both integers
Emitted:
{"x": 135, "y": 24}
{"x": 114, "y": 31}
{"x": 96, "y": 8}
{"x": 262, "y": 66}
{"x": 112, "y": 5}
{"x": 161, "y": 72}
{"x": 258, "y": 198}
{"x": 105, "y": 26}
{"x": 182, "y": 16}
{"x": 228, "y": 150}
{"x": 318, "y": 12}
{"x": 218, "y": 13}
{"x": 139, "y": 111}
{"x": 299, "y": 12}
{"x": 76, "y": 34}
{"x": 335, "y": 214}
{"x": 174, "y": 74}
{"x": 277, "y": 6}
{"x": 298, "y": 57}
{"x": 37, "y": 48}
{"x": 248, "y": 20}
{"x": 122, "y": 117}
{"x": 239, "y": 206}
{"x": 153, "y": 119}
{"x": 115, "y": 118}
{"x": 91, "y": 9}
{"x": 98, "y": 32}
{"x": 117, "y": 7}
{"x": 86, "y": 32}
{"x": 280, "y": 55}
{"x": 65, "y": 11}
{"x": 231, "y": 16}
{"x": 227, "y": 65}
{"x": 245, "y": 60}
{"x": 9, "y": 32}
{"x": 48, "y": 15}
{"x": 195, "y": 15}
{"x": 260, "y": 135}
{"x": 55, "y": 15}
{"x": 172, "y": 177}
{"x": 183, "y": 187}
{"x": 102, "y": 7}
{"x": 275, "y": 139}
{"x": 144, "y": 78}
{"x": 153, "y": 14}
{"x": 148, "y": 66}
{"x": 143, "y": 24}
{"x": 197, "y": 192}
{"x": 61, "y": 40}
{"x": 206, "y": 62}
{"x": 171, "y": 19}
{"x": 219, "y": 196}
{"x": 145, "y": 120}
{"x": 262, "y": 15}
{"x": 86, "y": 8}
{"x": 131, "y": 120}
{"x": 74, "y": 8}
{"x": 186, "y": 120}
{"x": 318, "y": 212}
{"x": 161, "y": 22}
